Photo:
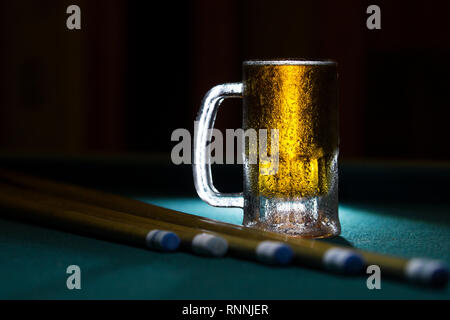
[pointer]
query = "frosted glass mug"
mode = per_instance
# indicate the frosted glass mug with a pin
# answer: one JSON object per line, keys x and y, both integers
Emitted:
{"x": 296, "y": 99}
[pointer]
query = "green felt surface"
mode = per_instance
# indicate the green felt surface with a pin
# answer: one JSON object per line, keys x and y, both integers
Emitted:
{"x": 34, "y": 260}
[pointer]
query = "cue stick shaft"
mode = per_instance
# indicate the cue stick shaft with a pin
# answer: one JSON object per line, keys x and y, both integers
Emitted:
{"x": 15, "y": 207}
{"x": 391, "y": 266}
{"x": 306, "y": 252}
{"x": 143, "y": 209}
{"x": 134, "y": 229}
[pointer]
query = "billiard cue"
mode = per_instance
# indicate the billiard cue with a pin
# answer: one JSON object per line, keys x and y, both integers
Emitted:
{"x": 137, "y": 230}
{"x": 16, "y": 207}
{"x": 307, "y": 253}
{"x": 418, "y": 270}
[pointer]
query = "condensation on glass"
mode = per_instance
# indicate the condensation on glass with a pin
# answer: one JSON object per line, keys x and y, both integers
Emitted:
{"x": 299, "y": 99}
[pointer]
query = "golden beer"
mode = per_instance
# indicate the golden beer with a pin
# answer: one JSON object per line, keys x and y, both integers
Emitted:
{"x": 300, "y": 100}
{"x": 290, "y": 169}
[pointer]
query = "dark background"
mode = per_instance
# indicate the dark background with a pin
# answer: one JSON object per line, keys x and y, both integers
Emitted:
{"x": 137, "y": 70}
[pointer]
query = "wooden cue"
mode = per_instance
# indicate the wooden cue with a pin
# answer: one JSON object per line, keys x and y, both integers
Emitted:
{"x": 391, "y": 266}
{"x": 69, "y": 220}
{"x": 306, "y": 252}
{"x": 79, "y": 217}
{"x": 136, "y": 207}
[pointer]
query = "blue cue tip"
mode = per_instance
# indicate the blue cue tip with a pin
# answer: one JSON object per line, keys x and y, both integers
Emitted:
{"x": 353, "y": 264}
{"x": 283, "y": 254}
{"x": 170, "y": 242}
{"x": 439, "y": 276}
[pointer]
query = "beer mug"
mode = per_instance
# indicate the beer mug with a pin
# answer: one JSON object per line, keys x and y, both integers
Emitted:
{"x": 292, "y": 188}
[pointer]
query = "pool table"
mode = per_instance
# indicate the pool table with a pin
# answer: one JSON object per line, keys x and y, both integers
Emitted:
{"x": 396, "y": 208}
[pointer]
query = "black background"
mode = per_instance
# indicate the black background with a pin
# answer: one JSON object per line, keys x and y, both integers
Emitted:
{"x": 140, "y": 68}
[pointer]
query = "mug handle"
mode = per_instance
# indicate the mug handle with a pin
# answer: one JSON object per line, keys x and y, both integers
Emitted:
{"x": 202, "y": 166}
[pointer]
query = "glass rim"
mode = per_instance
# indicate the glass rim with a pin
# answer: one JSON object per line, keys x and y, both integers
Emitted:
{"x": 298, "y": 62}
